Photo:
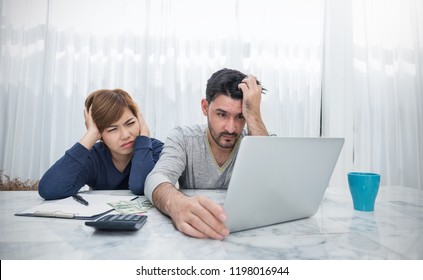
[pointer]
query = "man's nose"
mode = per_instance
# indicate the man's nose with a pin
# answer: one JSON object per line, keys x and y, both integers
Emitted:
{"x": 230, "y": 126}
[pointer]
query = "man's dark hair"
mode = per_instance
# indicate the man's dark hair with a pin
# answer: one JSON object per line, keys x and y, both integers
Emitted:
{"x": 225, "y": 81}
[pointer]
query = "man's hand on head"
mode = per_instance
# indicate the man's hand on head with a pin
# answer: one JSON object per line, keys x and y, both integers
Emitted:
{"x": 251, "y": 92}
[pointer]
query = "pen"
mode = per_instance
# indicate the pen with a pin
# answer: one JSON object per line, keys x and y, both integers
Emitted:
{"x": 55, "y": 214}
{"x": 80, "y": 199}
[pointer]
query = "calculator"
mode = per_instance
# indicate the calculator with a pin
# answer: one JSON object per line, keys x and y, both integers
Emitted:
{"x": 118, "y": 222}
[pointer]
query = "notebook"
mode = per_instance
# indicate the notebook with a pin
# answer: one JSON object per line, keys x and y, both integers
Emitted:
{"x": 68, "y": 208}
{"x": 277, "y": 179}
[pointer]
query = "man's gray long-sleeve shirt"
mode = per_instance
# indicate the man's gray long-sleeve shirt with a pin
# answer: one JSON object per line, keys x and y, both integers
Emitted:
{"x": 187, "y": 158}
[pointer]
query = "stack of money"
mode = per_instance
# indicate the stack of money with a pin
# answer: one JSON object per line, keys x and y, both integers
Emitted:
{"x": 131, "y": 207}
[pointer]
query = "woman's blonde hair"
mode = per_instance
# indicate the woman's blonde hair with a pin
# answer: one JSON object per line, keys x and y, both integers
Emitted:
{"x": 107, "y": 106}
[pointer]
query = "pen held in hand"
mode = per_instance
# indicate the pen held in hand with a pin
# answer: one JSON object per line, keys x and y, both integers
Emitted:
{"x": 80, "y": 199}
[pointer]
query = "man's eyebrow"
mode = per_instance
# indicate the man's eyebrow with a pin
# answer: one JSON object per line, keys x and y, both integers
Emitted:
{"x": 226, "y": 112}
{"x": 220, "y": 110}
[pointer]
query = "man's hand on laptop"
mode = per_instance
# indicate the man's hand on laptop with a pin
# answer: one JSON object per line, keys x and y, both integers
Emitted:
{"x": 196, "y": 216}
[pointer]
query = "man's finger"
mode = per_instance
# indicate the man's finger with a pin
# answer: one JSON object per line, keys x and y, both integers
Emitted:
{"x": 194, "y": 226}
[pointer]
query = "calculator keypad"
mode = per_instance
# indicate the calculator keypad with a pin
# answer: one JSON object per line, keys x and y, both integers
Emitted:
{"x": 119, "y": 222}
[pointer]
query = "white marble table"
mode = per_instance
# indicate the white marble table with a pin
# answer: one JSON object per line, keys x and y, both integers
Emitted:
{"x": 393, "y": 231}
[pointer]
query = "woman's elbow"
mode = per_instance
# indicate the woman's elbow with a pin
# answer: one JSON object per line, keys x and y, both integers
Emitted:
{"x": 43, "y": 190}
{"x": 137, "y": 190}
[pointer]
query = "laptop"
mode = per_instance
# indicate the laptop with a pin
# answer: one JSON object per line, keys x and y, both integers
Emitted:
{"x": 277, "y": 179}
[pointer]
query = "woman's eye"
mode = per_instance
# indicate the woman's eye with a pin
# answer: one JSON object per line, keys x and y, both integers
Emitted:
{"x": 130, "y": 123}
{"x": 111, "y": 130}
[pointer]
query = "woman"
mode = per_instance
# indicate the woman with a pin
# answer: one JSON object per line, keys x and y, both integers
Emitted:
{"x": 121, "y": 159}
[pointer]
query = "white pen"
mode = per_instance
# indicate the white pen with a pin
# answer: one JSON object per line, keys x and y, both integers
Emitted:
{"x": 54, "y": 214}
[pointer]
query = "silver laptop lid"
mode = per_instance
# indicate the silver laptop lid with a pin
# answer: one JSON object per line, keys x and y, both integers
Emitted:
{"x": 277, "y": 179}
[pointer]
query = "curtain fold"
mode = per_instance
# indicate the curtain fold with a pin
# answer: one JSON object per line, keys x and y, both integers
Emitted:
{"x": 375, "y": 100}
{"x": 388, "y": 80}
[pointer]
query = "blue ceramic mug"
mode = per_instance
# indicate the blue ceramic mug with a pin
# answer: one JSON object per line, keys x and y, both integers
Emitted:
{"x": 363, "y": 187}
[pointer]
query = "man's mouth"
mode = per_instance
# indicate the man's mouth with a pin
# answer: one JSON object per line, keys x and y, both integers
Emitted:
{"x": 229, "y": 135}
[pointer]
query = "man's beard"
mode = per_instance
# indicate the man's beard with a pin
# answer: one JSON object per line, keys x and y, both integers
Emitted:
{"x": 224, "y": 144}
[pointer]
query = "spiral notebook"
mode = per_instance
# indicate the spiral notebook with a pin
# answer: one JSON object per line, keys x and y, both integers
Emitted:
{"x": 68, "y": 208}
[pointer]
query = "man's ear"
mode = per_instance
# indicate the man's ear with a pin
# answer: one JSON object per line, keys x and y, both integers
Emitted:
{"x": 205, "y": 107}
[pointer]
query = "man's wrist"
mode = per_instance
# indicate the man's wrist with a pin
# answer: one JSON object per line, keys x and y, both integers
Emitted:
{"x": 256, "y": 126}
{"x": 164, "y": 197}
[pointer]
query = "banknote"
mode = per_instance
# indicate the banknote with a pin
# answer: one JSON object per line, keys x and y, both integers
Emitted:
{"x": 132, "y": 207}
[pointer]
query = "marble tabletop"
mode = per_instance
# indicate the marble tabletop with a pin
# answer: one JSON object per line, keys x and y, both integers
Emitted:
{"x": 337, "y": 231}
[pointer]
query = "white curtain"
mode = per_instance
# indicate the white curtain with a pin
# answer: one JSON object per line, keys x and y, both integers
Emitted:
{"x": 334, "y": 68}
{"x": 55, "y": 52}
{"x": 372, "y": 87}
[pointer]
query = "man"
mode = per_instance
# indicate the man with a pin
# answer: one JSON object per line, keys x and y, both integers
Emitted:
{"x": 202, "y": 157}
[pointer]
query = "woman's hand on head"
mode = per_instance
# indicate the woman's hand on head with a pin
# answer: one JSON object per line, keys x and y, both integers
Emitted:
{"x": 90, "y": 124}
{"x": 93, "y": 134}
{"x": 144, "y": 130}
